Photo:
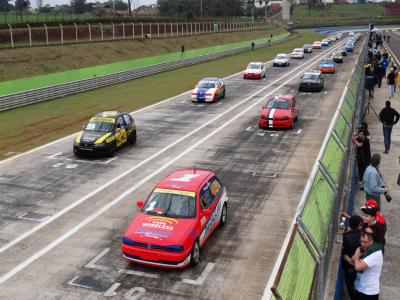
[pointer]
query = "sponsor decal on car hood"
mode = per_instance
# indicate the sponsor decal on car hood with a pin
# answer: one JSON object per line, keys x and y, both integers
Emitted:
{"x": 91, "y": 137}
{"x": 159, "y": 229}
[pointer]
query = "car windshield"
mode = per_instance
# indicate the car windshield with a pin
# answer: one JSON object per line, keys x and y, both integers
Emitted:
{"x": 206, "y": 84}
{"x": 281, "y": 56}
{"x": 326, "y": 61}
{"x": 278, "y": 103}
{"x": 174, "y": 205}
{"x": 307, "y": 46}
{"x": 254, "y": 66}
{"x": 310, "y": 76}
{"x": 99, "y": 126}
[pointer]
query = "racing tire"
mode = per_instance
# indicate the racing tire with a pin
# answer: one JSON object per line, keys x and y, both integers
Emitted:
{"x": 195, "y": 254}
{"x": 111, "y": 150}
{"x": 224, "y": 215}
{"x": 132, "y": 139}
{"x": 296, "y": 119}
{"x": 214, "y": 99}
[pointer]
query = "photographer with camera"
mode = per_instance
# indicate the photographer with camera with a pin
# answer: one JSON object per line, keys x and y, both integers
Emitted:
{"x": 363, "y": 150}
{"x": 373, "y": 184}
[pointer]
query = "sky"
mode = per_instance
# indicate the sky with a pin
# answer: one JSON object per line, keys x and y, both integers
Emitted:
{"x": 135, "y": 3}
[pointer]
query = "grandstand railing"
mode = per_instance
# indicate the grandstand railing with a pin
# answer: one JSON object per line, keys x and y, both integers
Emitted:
{"x": 303, "y": 268}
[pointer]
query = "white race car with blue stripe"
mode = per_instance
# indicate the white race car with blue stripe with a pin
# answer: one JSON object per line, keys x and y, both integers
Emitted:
{"x": 209, "y": 90}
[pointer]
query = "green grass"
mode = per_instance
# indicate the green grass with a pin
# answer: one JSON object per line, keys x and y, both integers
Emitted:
{"x": 338, "y": 11}
{"x": 19, "y": 85}
{"x": 27, "y": 127}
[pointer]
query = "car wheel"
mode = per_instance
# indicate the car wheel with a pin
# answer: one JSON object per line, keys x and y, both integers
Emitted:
{"x": 224, "y": 215}
{"x": 111, "y": 150}
{"x": 195, "y": 254}
{"x": 296, "y": 119}
{"x": 132, "y": 138}
{"x": 214, "y": 99}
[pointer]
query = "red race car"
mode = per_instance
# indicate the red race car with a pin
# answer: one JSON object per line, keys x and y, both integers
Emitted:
{"x": 176, "y": 220}
{"x": 279, "y": 112}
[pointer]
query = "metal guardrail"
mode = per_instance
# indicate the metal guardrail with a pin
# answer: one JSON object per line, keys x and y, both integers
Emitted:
{"x": 61, "y": 90}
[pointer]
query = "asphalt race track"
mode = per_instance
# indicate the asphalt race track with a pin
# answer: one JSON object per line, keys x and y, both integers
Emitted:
{"x": 62, "y": 217}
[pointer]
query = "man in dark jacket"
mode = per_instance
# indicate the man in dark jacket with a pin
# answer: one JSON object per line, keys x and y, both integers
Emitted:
{"x": 388, "y": 117}
{"x": 363, "y": 151}
{"x": 351, "y": 241}
{"x": 378, "y": 74}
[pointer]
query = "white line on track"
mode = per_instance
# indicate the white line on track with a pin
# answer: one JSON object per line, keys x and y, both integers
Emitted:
{"x": 79, "y": 285}
{"x": 109, "y": 205}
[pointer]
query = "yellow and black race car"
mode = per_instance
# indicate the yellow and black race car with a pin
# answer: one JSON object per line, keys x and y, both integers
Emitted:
{"x": 105, "y": 132}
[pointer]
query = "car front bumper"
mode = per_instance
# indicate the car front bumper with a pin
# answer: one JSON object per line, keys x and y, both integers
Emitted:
{"x": 156, "y": 258}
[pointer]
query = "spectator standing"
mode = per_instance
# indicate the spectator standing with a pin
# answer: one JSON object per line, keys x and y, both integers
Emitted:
{"x": 371, "y": 225}
{"x": 372, "y": 180}
{"x": 368, "y": 261}
{"x": 388, "y": 117}
{"x": 378, "y": 73}
{"x": 396, "y": 77}
{"x": 370, "y": 84}
{"x": 384, "y": 64}
{"x": 351, "y": 241}
{"x": 390, "y": 80}
{"x": 363, "y": 151}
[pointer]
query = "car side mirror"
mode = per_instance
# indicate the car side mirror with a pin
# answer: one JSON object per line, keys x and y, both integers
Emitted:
{"x": 139, "y": 204}
{"x": 206, "y": 211}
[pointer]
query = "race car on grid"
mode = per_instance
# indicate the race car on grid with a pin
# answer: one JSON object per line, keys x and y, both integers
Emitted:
{"x": 317, "y": 45}
{"x": 104, "y": 133}
{"x": 209, "y": 90}
{"x": 254, "y": 70}
{"x": 280, "y": 111}
{"x": 297, "y": 53}
{"x": 281, "y": 60}
{"x": 311, "y": 81}
{"x": 176, "y": 220}
{"x": 327, "y": 65}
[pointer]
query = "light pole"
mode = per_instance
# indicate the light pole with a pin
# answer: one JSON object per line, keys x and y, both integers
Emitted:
{"x": 201, "y": 8}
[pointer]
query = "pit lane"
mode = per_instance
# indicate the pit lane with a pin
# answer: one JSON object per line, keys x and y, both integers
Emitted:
{"x": 256, "y": 166}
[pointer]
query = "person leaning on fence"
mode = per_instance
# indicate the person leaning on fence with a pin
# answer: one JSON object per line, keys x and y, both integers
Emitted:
{"x": 351, "y": 241}
{"x": 372, "y": 180}
{"x": 389, "y": 117}
{"x": 368, "y": 261}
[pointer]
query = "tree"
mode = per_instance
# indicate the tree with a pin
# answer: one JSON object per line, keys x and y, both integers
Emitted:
{"x": 78, "y": 6}
{"x": 5, "y": 6}
{"x": 22, "y": 5}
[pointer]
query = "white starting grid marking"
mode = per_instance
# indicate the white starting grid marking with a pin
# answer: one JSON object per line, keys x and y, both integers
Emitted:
{"x": 57, "y": 156}
{"x": 93, "y": 265}
{"x": 274, "y": 134}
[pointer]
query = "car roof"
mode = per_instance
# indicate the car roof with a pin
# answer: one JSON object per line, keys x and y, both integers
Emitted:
{"x": 185, "y": 180}
{"x": 256, "y": 62}
{"x": 313, "y": 72}
{"x": 210, "y": 79}
{"x": 107, "y": 114}
{"x": 280, "y": 97}
{"x": 281, "y": 54}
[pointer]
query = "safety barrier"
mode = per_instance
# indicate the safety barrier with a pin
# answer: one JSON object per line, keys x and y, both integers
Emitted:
{"x": 303, "y": 268}
{"x": 95, "y": 80}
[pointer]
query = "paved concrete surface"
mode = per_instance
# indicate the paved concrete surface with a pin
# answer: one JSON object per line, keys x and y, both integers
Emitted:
{"x": 77, "y": 255}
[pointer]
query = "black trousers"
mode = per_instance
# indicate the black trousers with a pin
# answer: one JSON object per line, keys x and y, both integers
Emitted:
{"x": 350, "y": 277}
{"x": 361, "y": 296}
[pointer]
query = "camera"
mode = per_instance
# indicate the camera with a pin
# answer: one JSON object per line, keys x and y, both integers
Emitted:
{"x": 387, "y": 196}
